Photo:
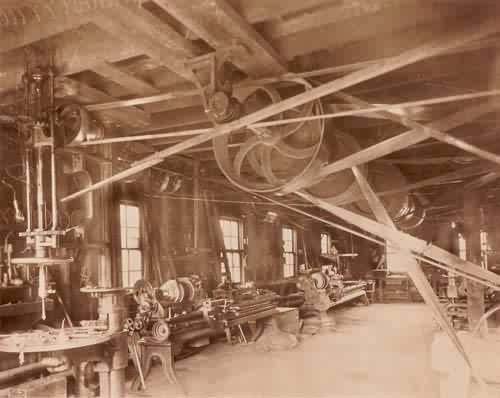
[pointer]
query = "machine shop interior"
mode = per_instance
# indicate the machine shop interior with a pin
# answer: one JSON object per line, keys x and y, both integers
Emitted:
{"x": 249, "y": 198}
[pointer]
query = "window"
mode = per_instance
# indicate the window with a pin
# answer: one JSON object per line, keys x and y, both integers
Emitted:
{"x": 232, "y": 231}
{"x": 289, "y": 237}
{"x": 326, "y": 243}
{"x": 483, "y": 236}
{"x": 462, "y": 247}
{"x": 131, "y": 254}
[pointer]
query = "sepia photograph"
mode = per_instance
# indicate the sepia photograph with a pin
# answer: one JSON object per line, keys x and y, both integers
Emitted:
{"x": 249, "y": 199}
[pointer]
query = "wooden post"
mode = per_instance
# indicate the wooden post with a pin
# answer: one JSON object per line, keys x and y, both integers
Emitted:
{"x": 253, "y": 245}
{"x": 472, "y": 226}
{"x": 196, "y": 204}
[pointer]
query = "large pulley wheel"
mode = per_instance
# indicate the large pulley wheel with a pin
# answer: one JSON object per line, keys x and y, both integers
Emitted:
{"x": 143, "y": 290}
{"x": 267, "y": 159}
{"x": 172, "y": 290}
{"x": 160, "y": 331}
{"x": 189, "y": 289}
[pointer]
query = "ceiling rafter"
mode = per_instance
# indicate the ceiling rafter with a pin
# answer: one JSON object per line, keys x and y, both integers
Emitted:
{"x": 336, "y": 35}
{"x": 154, "y": 37}
{"x": 256, "y": 11}
{"x": 466, "y": 172}
{"x": 405, "y": 240}
{"x": 86, "y": 94}
{"x": 50, "y": 20}
{"x": 328, "y": 14}
{"x": 222, "y": 27}
{"x": 134, "y": 84}
{"x": 413, "y": 268}
{"x": 417, "y": 134}
{"x": 432, "y": 48}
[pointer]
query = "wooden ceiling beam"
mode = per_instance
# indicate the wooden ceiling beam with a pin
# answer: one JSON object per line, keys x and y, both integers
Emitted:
{"x": 411, "y": 265}
{"x": 336, "y": 35}
{"x": 49, "y": 20}
{"x": 358, "y": 55}
{"x": 138, "y": 27}
{"x": 85, "y": 94}
{"x": 222, "y": 27}
{"x": 328, "y": 14}
{"x": 256, "y": 11}
{"x": 435, "y": 160}
{"x": 430, "y": 49}
{"x": 404, "y": 140}
{"x": 441, "y": 179}
{"x": 74, "y": 52}
{"x": 405, "y": 240}
{"x": 437, "y": 133}
{"x": 128, "y": 81}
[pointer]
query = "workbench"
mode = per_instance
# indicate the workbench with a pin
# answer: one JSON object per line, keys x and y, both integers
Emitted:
{"x": 251, "y": 320}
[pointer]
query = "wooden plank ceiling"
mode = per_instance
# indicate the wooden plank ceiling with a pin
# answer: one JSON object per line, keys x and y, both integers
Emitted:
{"x": 114, "y": 51}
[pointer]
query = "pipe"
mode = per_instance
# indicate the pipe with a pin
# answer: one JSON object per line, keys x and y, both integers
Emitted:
{"x": 9, "y": 374}
{"x": 28, "y": 190}
{"x": 40, "y": 203}
{"x": 193, "y": 335}
{"x": 53, "y": 175}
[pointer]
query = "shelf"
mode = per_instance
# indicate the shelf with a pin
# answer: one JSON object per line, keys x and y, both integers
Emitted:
{"x": 20, "y": 309}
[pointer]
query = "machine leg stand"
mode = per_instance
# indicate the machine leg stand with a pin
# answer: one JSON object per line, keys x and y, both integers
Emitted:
{"x": 104, "y": 380}
{"x": 117, "y": 383}
{"x": 162, "y": 351}
{"x": 327, "y": 322}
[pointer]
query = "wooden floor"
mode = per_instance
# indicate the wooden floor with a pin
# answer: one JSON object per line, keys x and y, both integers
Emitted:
{"x": 377, "y": 351}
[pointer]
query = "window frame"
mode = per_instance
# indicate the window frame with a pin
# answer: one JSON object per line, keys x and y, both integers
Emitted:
{"x": 231, "y": 252}
{"x": 287, "y": 267}
{"x": 328, "y": 242}
{"x": 133, "y": 249}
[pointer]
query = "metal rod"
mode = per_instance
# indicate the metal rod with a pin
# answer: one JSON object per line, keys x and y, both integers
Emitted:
{"x": 8, "y": 374}
{"x": 376, "y": 241}
{"x": 418, "y": 133}
{"x": 401, "y": 239}
{"x": 40, "y": 203}
{"x": 29, "y": 214}
{"x": 352, "y": 112}
{"x": 142, "y": 137}
{"x": 53, "y": 171}
{"x": 413, "y": 269}
{"x": 260, "y": 82}
{"x": 427, "y": 50}
{"x": 379, "y": 108}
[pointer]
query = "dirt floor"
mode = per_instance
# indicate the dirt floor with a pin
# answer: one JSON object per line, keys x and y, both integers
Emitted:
{"x": 382, "y": 350}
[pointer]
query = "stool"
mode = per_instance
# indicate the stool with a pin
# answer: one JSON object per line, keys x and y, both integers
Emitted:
{"x": 370, "y": 290}
{"x": 163, "y": 351}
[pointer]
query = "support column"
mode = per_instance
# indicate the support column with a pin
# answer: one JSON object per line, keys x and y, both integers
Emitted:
{"x": 196, "y": 204}
{"x": 253, "y": 246}
{"x": 472, "y": 228}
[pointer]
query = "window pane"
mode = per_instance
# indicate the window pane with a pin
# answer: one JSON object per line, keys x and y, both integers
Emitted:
{"x": 135, "y": 260}
{"x": 234, "y": 228}
{"x": 235, "y": 244}
{"x": 125, "y": 282}
{"x": 123, "y": 236}
{"x": 132, "y": 238}
{"x": 235, "y": 274}
{"x": 288, "y": 247}
{"x": 235, "y": 260}
{"x": 133, "y": 216}
{"x": 123, "y": 215}
{"x": 125, "y": 260}
{"x": 134, "y": 276}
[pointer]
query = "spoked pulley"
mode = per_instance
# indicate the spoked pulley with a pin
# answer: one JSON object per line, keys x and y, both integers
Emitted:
{"x": 267, "y": 159}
